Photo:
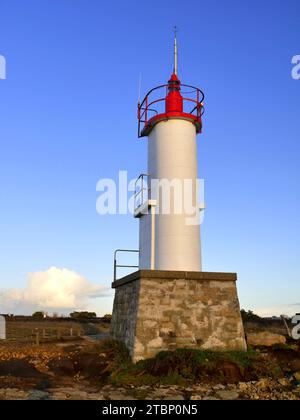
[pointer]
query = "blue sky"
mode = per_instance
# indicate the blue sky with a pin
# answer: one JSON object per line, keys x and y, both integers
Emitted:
{"x": 68, "y": 118}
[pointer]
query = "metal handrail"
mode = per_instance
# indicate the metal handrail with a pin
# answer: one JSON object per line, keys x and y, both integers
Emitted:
{"x": 150, "y": 109}
{"x": 144, "y": 107}
{"x": 121, "y": 265}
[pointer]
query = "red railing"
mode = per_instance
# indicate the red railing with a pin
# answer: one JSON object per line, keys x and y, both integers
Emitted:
{"x": 146, "y": 111}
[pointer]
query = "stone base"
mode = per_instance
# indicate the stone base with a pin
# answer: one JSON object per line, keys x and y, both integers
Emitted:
{"x": 164, "y": 310}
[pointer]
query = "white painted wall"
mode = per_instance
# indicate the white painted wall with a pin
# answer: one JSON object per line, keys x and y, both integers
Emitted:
{"x": 2, "y": 328}
{"x": 172, "y": 153}
{"x": 145, "y": 242}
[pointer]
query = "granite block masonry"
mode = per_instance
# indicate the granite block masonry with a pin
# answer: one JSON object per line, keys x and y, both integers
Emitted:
{"x": 164, "y": 310}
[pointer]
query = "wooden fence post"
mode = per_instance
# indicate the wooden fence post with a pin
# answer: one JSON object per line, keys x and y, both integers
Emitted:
{"x": 37, "y": 338}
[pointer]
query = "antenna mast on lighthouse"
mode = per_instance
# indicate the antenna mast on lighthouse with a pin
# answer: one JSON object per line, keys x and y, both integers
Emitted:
{"x": 175, "y": 70}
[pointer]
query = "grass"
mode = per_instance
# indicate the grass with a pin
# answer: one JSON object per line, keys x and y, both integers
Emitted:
{"x": 180, "y": 367}
{"x": 116, "y": 349}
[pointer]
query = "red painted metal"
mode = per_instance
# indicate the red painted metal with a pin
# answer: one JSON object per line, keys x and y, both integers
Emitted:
{"x": 174, "y": 100}
{"x": 175, "y": 107}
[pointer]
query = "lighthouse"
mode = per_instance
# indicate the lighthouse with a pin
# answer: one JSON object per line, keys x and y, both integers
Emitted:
{"x": 169, "y": 302}
{"x": 170, "y": 121}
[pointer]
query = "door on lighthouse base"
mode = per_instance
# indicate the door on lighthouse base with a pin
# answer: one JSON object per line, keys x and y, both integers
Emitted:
{"x": 2, "y": 328}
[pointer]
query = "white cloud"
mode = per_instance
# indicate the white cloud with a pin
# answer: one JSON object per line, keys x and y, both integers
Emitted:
{"x": 277, "y": 310}
{"x": 54, "y": 290}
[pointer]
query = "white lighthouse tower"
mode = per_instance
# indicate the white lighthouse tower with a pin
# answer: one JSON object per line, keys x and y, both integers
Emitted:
{"x": 168, "y": 239}
{"x": 169, "y": 302}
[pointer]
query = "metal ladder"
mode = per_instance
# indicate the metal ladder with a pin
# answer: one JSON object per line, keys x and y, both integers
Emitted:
{"x": 141, "y": 191}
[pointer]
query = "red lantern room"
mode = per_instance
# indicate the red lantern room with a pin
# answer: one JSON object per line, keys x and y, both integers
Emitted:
{"x": 170, "y": 101}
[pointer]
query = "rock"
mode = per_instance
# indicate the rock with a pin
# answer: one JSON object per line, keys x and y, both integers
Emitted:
{"x": 265, "y": 339}
{"x": 120, "y": 396}
{"x": 296, "y": 391}
{"x": 78, "y": 395}
{"x": 58, "y": 396}
{"x": 284, "y": 382}
{"x": 167, "y": 393}
{"x": 227, "y": 395}
{"x": 196, "y": 397}
{"x": 243, "y": 386}
{"x": 75, "y": 394}
{"x": 156, "y": 343}
{"x": 175, "y": 397}
{"x": 297, "y": 376}
{"x": 35, "y": 395}
{"x": 12, "y": 394}
{"x": 96, "y": 397}
{"x": 219, "y": 387}
{"x": 263, "y": 384}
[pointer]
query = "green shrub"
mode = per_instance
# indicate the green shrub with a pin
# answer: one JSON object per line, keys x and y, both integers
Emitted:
{"x": 250, "y": 316}
{"x": 178, "y": 367}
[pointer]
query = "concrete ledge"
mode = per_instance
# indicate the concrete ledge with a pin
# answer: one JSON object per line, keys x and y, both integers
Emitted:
{"x": 187, "y": 275}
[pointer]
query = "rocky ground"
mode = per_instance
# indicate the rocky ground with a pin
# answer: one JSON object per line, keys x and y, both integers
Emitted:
{"x": 264, "y": 389}
{"x": 89, "y": 370}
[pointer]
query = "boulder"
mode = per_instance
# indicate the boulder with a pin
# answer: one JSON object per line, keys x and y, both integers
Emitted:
{"x": 265, "y": 339}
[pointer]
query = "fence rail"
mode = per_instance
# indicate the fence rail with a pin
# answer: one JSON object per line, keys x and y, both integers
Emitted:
{"x": 41, "y": 335}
